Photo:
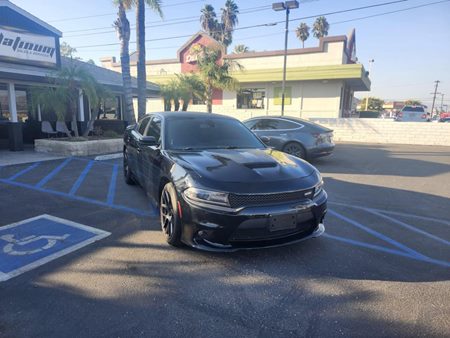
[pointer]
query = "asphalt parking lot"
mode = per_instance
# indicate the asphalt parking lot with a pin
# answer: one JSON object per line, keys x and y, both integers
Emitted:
{"x": 381, "y": 269}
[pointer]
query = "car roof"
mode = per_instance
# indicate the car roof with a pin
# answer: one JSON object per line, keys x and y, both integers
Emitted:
{"x": 177, "y": 114}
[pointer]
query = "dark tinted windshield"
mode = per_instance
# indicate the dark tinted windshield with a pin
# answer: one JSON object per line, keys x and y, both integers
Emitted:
{"x": 415, "y": 109}
{"x": 208, "y": 133}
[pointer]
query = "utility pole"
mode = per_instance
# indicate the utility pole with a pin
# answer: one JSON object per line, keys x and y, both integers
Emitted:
{"x": 434, "y": 96}
{"x": 368, "y": 92}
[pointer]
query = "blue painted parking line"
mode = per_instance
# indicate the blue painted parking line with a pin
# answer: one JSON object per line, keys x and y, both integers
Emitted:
{"x": 376, "y": 234}
{"x": 112, "y": 185}
{"x": 24, "y": 171}
{"x": 81, "y": 178}
{"x": 52, "y": 174}
{"x": 152, "y": 212}
{"x": 36, "y": 241}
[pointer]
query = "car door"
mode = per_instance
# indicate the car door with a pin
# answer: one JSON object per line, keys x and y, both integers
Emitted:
{"x": 267, "y": 129}
{"x": 150, "y": 157}
{"x": 133, "y": 145}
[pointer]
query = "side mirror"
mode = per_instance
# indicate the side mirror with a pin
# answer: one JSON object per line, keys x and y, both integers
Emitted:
{"x": 265, "y": 139}
{"x": 148, "y": 141}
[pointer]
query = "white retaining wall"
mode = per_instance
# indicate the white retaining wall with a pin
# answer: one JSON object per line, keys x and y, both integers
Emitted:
{"x": 387, "y": 131}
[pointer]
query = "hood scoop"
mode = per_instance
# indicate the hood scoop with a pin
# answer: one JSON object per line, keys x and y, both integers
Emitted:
{"x": 260, "y": 165}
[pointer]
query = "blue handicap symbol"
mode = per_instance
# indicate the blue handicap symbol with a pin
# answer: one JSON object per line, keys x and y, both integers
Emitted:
{"x": 36, "y": 241}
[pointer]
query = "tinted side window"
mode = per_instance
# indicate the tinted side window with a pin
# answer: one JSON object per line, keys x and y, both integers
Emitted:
{"x": 251, "y": 124}
{"x": 283, "y": 124}
{"x": 274, "y": 124}
{"x": 142, "y": 125}
{"x": 266, "y": 124}
{"x": 154, "y": 129}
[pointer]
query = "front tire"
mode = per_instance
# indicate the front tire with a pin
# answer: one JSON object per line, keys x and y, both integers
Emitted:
{"x": 169, "y": 215}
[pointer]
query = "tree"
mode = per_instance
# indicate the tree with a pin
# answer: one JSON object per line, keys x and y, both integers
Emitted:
{"x": 68, "y": 51}
{"x": 155, "y": 5}
{"x": 208, "y": 20}
{"x": 320, "y": 27}
{"x": 239, "y": 49}
{"x": 302, "y": 33}
{"x": 122, "y": 26}
{"x": 62, "y": 97}
{"x": 375, "y": 104}
{"x": 179, "y": 92}
{"x": 412, "y": 102}
{"x": 221, "y": 31}
{"x": 215, "y": 75}
{"x": 229, "y": 20}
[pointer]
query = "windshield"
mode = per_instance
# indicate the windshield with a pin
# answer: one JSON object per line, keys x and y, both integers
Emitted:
{"x": 208, "y": 133}
{"x": 413, "y": 109}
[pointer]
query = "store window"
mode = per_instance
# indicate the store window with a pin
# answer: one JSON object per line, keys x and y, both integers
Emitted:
{"x": 277, "y": 96}
{"x": 251, "y": 98}
{"x": 4, "y": 104}
{"x": 110, "y": 109}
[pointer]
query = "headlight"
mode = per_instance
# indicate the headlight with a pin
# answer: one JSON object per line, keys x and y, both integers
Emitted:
{"x": 318, "y": 188}
{"x": 206, "y": 196}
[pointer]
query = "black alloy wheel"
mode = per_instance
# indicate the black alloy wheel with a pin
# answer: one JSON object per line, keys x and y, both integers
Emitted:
{"x": 296, "y": 149}
{"x": 170, "y": 220}
{"x": 128, "y": 175}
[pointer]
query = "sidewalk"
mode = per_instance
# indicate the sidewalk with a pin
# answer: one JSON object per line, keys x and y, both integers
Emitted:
{"x": 28, "y": 155}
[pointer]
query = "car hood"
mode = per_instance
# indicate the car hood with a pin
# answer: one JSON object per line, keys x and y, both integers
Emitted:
{"x": 243, "y": 165}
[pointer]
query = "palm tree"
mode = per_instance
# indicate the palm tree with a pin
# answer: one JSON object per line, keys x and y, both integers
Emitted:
{"x": 208, "y": 20}
{"x": 190, "y": 86}
{"x": 155, "y": 5}
{"x": 63, "y": 96}
{"x": 229, "y": 20}
{"x": 215, "y": 75}
{"x": 302, "y": 33}
{"x": 320, "y": 27}
{"x": 122, "y": 26}
{"x": 239, "y": 49}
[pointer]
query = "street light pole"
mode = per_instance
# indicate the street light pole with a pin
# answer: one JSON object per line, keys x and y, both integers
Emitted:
{"x": 286, "y": 6}
{"x": 368, "y": 92}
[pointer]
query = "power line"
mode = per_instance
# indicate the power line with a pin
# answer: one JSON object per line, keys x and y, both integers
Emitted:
{"x": 262, "y": 25}
{"x": 390, "y": 12}
{"x": 109, "y": 31}
{"x": 108, "y": 14}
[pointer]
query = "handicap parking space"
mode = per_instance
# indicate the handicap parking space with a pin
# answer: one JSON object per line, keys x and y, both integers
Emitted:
{"x": 381, "y": 268}
{"x": 33, "y": 242}
{"x": 82, "y": 179}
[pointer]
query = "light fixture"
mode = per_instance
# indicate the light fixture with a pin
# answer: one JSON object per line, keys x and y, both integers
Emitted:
{"x": 278, "y": 6}
{"x": 292, "y": 4}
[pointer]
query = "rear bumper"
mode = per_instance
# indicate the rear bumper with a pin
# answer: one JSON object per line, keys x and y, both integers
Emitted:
{"x": 321, "y": 150}
{"x": 251, "y": 228}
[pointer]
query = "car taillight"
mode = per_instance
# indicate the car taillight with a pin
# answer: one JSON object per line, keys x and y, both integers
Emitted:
{"x": 400, "y": 114}
{"x": 424, "y": 116}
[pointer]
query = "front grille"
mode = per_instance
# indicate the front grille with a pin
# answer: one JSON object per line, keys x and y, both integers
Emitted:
{"x": 247, "y": 200}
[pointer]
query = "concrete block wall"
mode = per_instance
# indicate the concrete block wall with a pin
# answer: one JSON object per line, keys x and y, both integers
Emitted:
{"x": 387, "y": 131}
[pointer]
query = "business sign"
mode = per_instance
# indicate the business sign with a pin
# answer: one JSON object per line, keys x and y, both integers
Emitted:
{"x": 27, "y": 48}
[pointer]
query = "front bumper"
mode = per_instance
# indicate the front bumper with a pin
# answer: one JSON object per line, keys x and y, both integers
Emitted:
{"x": 252, "y": 227}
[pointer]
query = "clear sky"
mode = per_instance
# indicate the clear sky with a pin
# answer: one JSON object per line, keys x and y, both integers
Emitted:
{"x": 411, "y": 48}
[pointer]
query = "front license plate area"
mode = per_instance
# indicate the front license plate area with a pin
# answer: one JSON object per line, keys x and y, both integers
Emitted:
{"x": 283, "y": 222}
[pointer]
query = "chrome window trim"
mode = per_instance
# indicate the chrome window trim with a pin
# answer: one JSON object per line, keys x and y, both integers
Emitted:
{"x": 300, "y": 126}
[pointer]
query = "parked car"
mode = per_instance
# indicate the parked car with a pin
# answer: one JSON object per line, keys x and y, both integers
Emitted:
{"x": 368, "y": 114}
{"x": 445, "y": 119}
{"x": 292, "y": 135}
{"x": 413, "y": 114}
{"x": 218, "y": 187}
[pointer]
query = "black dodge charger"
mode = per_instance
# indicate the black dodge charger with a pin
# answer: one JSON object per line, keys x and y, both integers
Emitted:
{"x": 218, "y": 186}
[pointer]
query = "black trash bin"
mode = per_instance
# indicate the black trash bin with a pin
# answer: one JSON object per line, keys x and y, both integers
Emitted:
{"x": 15, "y": 136}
